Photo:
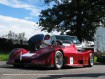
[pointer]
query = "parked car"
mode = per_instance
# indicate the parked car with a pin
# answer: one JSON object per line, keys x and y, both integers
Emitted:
{"x": 67, "y": 40}
{"x": 52, "y": 56}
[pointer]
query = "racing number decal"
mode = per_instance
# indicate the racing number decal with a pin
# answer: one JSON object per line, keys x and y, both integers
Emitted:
{"x": 71, "y": 60}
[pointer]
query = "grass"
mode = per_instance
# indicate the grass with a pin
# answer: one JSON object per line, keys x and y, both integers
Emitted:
{"x": 3, "y": 56}
{"x": 95, "y": 59}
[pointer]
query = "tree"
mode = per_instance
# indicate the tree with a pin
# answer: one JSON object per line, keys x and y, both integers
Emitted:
{"x": 16, "y": 38}
{"x": 74, "y": 15}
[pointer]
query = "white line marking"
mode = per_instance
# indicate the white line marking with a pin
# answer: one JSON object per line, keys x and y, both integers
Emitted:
{"x": 29, "y": 74}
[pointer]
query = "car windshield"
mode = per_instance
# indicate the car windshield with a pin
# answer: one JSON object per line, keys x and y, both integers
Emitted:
{"x": 67, "y": 39}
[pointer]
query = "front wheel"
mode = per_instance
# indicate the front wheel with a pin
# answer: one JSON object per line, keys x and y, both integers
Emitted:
{"x": 91, "y": 60}
{"x": 58, "y": 60}
{"x": 18, "y": 66}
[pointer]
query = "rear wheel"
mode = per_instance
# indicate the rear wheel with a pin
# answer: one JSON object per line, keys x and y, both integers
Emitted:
{"x": 91, "y": 60}
{"x": 58, "y": 59}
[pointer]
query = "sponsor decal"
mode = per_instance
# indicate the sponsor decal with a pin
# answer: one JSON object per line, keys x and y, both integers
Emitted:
{"x": 71, "y": 60}
{"x": 28, "y": 54}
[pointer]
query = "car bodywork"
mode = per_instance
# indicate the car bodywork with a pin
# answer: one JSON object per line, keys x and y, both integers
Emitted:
{"x": 51, "y": 56}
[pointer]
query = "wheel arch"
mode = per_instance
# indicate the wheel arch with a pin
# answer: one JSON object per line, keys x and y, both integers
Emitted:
{"x": 61, "y": 51}
{"x": 15, "y": 52}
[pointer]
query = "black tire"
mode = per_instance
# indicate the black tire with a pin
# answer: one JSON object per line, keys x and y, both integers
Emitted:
{"x": 58, "y": 60}
{"x": 18, "y": 66}
{"x": 91, "y": 60}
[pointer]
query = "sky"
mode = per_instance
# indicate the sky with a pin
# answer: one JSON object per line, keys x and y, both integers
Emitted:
{"x": 21, "y": 16}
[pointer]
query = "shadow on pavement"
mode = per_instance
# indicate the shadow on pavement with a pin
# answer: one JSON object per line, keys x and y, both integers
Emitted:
{"x": 91, "y": 75}
{"x": 36, "y": 68}
{"x": 3, "y": 65}
{"x": 99, "y": 63}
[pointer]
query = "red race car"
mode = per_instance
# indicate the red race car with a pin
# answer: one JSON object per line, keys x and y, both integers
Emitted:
{"x": 52, "y": 56}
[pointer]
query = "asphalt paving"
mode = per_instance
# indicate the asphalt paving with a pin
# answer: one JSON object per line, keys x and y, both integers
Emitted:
{"x": 10, "y": 72}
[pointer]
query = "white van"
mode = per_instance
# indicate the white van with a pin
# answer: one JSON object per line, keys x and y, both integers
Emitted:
{"x": 99, "y": 40}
